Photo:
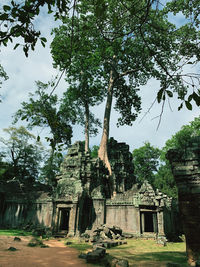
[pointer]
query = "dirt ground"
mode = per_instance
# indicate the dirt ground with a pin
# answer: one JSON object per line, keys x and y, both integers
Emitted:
{"x": 56, "y": 255}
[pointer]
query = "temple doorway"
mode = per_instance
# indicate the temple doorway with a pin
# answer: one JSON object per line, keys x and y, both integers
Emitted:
{"x": 64, "y": 214}
{"x": 149, "y": 222}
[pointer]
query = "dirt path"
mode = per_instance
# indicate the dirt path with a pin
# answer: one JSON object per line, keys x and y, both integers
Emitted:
{"x": 56, "y": 255}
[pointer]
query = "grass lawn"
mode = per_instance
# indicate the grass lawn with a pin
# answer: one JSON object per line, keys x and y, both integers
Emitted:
{"x": 16, "y": 232}
{"x": 146, "y": 251}
{"x": 138, "y": 251}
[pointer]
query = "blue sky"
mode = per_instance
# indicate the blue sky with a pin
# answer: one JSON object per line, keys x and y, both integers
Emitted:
{"x": 23, "y": 72}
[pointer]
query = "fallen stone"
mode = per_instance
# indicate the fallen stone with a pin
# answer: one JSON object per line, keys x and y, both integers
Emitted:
{"x": 12, "y": 249}
{"x": 44, "y": 246}
{"x": 95, "y": 255}
{"x": 127, "y": 235}
{"x": 68, "y": 243}
{"x": 83, "y": 256}
{"x": 122, "y": 263}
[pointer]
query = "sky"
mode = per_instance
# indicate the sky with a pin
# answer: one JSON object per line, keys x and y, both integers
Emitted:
{"x": 23, "y": 72}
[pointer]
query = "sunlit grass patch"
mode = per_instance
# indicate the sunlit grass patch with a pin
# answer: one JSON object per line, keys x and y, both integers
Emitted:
{"x": 14, "y": 232}
{"x": 138, "y": 250}
{"x": 81, "y": 246}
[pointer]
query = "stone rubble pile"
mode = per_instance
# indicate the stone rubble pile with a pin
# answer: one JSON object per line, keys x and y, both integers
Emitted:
{"x": 102, "y": 238}
{"x": 105, "y": 236}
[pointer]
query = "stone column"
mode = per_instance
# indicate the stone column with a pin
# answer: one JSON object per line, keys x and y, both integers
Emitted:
{"x": 73, "y": 220}
{"x": 142, "y": 223}
{"x": 138, "y": 221}
{"x": 160, "y": 223}
{"x": 186, "y": 170}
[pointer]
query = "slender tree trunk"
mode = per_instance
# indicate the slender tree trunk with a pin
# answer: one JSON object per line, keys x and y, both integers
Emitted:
{"x": 86, "y": 127}
{"x": 52, "y": 180}
{"x": 103, "y": 152}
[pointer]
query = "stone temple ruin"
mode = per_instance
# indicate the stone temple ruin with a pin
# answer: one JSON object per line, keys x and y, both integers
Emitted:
{"x": 86, "y": 198}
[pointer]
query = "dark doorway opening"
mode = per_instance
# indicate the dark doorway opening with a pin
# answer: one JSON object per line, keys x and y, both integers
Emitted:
{"x": 149, "y": 222}
{"x": 64, "y": 219}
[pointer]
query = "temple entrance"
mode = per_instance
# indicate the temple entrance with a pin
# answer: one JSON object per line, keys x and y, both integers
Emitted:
{"x": 64, "y": 214}
{"x": 148, "y": 220}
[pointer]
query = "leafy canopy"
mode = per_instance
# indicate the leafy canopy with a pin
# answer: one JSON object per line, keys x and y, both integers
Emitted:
{"x": 42, "y": 110}
{"x": 22, "y": 153}
{"x": 17, "y": 20}
{"x": 146, "y": 162}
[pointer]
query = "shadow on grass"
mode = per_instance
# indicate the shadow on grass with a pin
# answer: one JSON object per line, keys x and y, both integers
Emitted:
{"x": 175, "y": 257}
{"x": 157, "y": 257}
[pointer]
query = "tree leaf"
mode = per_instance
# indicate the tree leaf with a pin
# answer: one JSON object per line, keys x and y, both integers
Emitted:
{"x": 169, "y": 93}
{"x": 16, "y": 46}
{"x": 196, "y": 98}
{"x": 159, "y": 95}
{"x": 6, "y": 8}
{"x": 180, "y": 107}
{"x": 188, "y": 105}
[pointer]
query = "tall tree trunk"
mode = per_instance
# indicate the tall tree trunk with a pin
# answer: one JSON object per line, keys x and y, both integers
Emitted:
{"x": 86, "y": 127}
{"x": 103, "y": 150}
{"x": 52, "y": 180}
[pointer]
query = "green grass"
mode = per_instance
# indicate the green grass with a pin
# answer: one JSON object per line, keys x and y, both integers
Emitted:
{"x": 145, "y": 251}
{"x": 136, "y": 251}
{"x": 15, "y": 232}
{"x": 82, "y": 247}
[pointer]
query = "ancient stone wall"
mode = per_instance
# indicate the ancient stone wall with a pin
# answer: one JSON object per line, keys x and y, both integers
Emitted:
{"x": 21, "y": 211}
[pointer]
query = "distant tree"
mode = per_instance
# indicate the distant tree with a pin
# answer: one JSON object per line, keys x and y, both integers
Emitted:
{"x": 51, "y": 168}
{"x": 94, "y": 151}
{"x": 5, "y": 168}
{"x": 164, "y": 179}
{"x": 42, "y": 110}
{"x": 3, "y": 76}
{"x": 22, "y": 153}
{"x": 181, "y": 139}
{"x": 146, "y": 163}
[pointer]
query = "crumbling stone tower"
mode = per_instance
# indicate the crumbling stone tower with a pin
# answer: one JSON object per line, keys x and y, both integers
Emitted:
{"x": 186, "y": 170}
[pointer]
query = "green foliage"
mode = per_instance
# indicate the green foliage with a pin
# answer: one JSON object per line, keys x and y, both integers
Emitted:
{"x": 23, "y": 155}
{"x": 86, "y": 86}
{"x": 17, "y": 20}
{"x": 94, "y": 151}
{"x": 146, "y": 163}
{"x": 134, "y": 49}
{"x": 42, "y": 110}
{"x": 50, "y": 168}
{"x": 164, "y": 180}
{"x": 187, "y": 39}
{"x": 182, "y": 138}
